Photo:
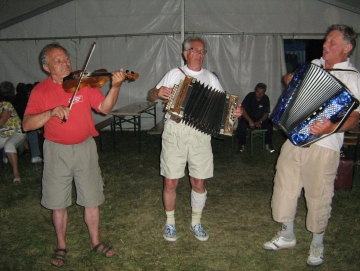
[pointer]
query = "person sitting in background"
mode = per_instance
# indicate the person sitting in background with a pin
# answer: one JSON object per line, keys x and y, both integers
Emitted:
{"x": 32, "y": 137}
{"x": 256, "y": 106}
{"x": 11, "y": 136}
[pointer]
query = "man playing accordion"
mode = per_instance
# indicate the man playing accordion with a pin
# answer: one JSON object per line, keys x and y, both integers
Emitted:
{"x": 314, "y": 168}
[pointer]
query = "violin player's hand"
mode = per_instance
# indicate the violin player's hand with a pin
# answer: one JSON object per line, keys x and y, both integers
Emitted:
{"x": 118, "y": 77}
{"x": 62, "y": 112}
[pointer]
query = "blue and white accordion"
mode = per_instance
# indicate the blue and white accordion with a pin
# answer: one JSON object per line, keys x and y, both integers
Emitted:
{"x": 313, "y": 93}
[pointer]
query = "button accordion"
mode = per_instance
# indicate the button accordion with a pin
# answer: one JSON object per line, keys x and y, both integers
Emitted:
{"x": 208, "y": 110}
{"x": 313, "y": 93}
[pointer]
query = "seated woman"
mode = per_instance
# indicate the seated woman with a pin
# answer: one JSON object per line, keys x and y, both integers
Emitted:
{"x": 11, "y": 136}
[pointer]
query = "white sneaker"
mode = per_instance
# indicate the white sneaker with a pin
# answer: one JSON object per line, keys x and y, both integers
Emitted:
{"x": 316, "y": 255}
{"x": 200, "y": 233}
{"x": 170, "y": 233}
{"x": 36, "y": 159}
{"x": 279, "y": 242}
{"x": 5, "y": 160}
{"x": 269, "y": 148}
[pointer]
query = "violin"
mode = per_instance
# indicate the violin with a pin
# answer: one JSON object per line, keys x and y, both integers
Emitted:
{"x": 95, "y": 79}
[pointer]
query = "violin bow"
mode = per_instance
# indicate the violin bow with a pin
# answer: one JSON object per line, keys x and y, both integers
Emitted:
{"x": 81, "y": 77}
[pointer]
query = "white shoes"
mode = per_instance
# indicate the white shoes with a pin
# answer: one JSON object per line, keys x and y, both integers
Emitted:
{"x": 36, "y": 159}
{"x": 170, "y": 233}
{"x": 316, "y": 255}
{"x": 200, "y": 233}
{"x": 279, "y": 242}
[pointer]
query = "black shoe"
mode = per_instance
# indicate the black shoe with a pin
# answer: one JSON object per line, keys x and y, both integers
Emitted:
{"x": 269, "y": 148}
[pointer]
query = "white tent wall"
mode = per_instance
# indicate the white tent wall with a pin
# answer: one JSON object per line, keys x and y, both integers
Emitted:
{"x": 244, "y": 37}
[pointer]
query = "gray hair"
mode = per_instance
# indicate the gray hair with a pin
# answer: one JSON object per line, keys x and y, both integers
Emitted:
{"x": 47, "y": 48}
{"x": 188, "y": 40}
{"x": 348, "y": 33}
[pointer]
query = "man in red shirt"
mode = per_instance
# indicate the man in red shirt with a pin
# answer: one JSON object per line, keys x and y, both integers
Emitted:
{"x": 70, "y": 151}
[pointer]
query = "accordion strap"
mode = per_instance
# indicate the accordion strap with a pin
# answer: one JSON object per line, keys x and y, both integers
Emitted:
{"x": 339, "y": 70}
{"x": 182, "y": 71}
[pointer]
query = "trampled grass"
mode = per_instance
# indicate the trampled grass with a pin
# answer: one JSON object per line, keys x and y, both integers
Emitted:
{"x": 237, "y": 216}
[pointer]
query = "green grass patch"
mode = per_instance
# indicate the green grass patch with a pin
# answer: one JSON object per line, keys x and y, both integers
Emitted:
{"x": 237, "y": 217}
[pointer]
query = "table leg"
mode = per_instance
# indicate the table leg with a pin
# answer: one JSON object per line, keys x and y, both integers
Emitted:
{"x": 155, "y": 115}
{"x": 113, "y": 132}
{"x": 139, "y": 132}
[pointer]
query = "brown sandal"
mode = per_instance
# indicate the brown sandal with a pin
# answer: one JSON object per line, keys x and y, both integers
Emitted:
{"x": 106, "y": 248}
{"x": 58, "y": 257}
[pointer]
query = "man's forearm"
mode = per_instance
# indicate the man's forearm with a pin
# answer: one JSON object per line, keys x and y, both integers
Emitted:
{"x": 153, "y": 94}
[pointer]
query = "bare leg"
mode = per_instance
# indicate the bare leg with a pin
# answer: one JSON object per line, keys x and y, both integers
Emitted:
{"x": 60, "y": 219}
{"x": 92, "y": 219}
{"x": 169, "y": 193}
{"x": 13, "y": 159}
{"x": 198, "y": 185}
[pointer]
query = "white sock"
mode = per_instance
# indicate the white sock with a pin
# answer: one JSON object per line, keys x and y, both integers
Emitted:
{"x": 170, "y": 217}
{"x": 196, "y": 216}
{"x": 197, "y": 204}
{"x": 318, "y": 238}
{"x": 287, "y": 229}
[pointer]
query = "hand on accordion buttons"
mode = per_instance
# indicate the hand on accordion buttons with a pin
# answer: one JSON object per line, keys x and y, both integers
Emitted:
{"x": 322, "y": 127}
{"x": 164, "y": 92}
{"x": 288, "y": 77}
{"x": 238, "y": 112}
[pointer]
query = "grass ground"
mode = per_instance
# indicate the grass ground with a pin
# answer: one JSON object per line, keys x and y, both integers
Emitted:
{"x": 237, "y": 216}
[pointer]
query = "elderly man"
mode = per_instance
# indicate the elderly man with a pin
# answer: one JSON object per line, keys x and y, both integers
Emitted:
{"x": 69, "y": 149}
{"x": 314, "y": 168}
{"x": 182, "y": 144}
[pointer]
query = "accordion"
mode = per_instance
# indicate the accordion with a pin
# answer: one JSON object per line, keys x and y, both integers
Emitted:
{"x": 205, "y": 109}
{"x": 313, "y": 93}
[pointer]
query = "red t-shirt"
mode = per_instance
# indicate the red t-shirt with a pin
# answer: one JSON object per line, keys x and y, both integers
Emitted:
{"x": 80, "y": 124}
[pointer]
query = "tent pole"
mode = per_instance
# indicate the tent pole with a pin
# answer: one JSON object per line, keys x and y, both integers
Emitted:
{"x": 182, "y": 28}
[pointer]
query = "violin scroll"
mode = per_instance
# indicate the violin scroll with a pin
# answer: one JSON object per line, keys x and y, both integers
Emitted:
{"x": 131, "y": 76}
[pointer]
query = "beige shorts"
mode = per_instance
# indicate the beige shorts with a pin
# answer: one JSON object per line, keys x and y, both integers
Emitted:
{"x": 183, "y": 145}
{"x": 65, "y": 163}
{"x": 314, "y": 169}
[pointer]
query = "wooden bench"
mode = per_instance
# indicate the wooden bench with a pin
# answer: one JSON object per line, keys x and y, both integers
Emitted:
{"x": 102, "y": 124}
{"x": 156, "y": 132}
{"x": 350, "y": 140}
{"x": 252, "y": 133}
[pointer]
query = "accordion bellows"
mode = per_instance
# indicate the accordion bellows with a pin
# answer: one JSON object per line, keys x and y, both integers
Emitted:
{"x": 313, "y": 93}
{"x": 203, "y": 108}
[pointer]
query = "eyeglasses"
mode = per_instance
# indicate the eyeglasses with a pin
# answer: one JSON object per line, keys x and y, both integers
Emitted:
{"x": 197, "y": 51}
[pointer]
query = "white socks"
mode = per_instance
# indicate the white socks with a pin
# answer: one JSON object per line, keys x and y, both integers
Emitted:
{"x": 170, "y": 217}
{"x": 318, "y": 238}
{"x": 287, "y": 229}
{"x": 197, "y": 204}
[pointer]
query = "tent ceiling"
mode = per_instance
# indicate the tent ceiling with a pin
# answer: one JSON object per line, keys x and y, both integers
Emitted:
{"x": 351, "y": 5}
{"x": 15, "y": 11}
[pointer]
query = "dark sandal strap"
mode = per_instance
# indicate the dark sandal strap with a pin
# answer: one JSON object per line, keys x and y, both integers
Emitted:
{"x": 60, "y": 249}
{"x": 106, "y": 248}
{"x": 59, "y": 257}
